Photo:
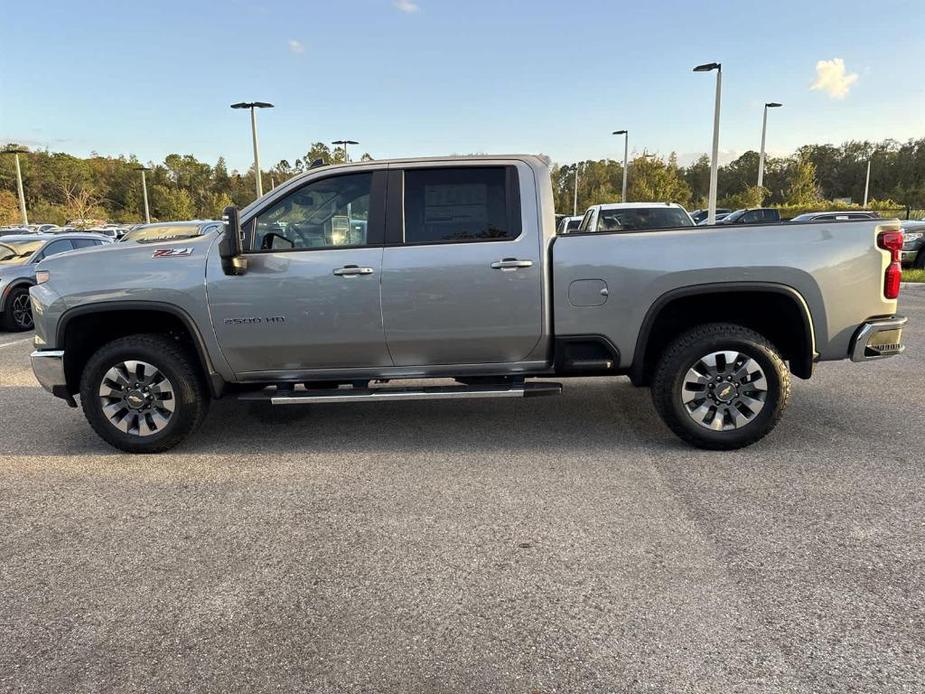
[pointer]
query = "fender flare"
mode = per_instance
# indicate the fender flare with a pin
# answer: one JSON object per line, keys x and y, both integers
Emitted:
{"x": 215, "y": 380}
{"x": 801, "y": 367}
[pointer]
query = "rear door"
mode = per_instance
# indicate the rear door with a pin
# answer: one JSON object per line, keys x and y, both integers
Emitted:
{"x": 461, "y": 270}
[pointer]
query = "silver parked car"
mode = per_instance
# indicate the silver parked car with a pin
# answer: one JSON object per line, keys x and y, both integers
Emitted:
{"x": 19, "y": 255}
{"x": 170, "y": 231}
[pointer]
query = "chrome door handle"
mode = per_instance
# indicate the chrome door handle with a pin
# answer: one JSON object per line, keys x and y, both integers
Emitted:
{"x": 353, "y": 271}
{"x": 510, "y": 264}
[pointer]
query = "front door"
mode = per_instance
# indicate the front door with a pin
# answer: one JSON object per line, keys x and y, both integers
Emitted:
{"x": 461, "y": 271}
{"x": 310, "y": 297}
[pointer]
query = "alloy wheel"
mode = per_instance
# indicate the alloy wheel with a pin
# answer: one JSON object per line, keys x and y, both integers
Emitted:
{"x": 22, "y": 311}
{"x": 724, "y": 390}
{"x": 137, "y": 398}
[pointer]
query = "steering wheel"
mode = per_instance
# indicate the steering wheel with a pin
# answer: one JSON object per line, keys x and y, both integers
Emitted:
{"x": 266, "y": 243}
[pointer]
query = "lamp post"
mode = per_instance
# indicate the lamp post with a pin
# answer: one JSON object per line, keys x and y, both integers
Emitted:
{"x": 254, "y": 105}
{"x": 626, "y": 151}
{"x": 764, "y": 132}
{"x": 144, "y": 191}
{"x": 344, "y": 144}
{"x": 866, "y": 185}
{"x": 714, "y": 163}
{"x": 575, "y": 199}
{"x": 16, "y": 151}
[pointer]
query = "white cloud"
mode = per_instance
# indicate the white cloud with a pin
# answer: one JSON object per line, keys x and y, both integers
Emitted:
{"x": 833, "y": 79}
{"x": 406, "y": 5}
{"x": 296, "y": 46}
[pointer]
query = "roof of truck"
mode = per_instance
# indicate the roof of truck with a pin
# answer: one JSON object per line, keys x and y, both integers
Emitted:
{"x": 634, "y": 205}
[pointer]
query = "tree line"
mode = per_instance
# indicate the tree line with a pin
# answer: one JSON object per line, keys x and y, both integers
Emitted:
{"x": 60, "y": 187}
{"x": 815, "y": 176}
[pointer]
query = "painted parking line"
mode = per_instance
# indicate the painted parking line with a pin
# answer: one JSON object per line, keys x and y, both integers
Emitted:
{"x": 16, "y": 342}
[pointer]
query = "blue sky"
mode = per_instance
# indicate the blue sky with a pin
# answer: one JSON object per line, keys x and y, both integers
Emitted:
{"x": 421, "y": 77}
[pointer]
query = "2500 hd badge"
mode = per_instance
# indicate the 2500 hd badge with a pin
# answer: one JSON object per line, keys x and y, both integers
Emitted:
{"x": 255, "y": 320}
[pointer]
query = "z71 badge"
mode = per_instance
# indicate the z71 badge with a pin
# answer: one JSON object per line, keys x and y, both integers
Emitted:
{"x": 172, "y": 252}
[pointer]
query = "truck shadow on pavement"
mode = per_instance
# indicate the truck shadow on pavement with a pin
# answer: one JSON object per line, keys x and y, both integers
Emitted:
{"x": 594, "y": 415}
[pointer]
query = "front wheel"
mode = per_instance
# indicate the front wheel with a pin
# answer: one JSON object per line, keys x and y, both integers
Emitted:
{"x": 721, "y": 386}
{"x": 143, "y": 393}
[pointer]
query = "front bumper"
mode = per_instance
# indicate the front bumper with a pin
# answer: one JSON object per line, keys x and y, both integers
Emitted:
{"x": 878, "y": 339}
{"x": 907, "y": 257}
{"x": 48, "y": 367}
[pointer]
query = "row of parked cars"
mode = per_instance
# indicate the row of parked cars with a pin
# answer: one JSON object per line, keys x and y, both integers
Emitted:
{"x": 23, "y": 248}
{"x": 641, "y": 216}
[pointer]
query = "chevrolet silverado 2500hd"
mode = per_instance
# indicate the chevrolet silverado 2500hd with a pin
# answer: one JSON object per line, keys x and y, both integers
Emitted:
{"x": 346, "y": 279}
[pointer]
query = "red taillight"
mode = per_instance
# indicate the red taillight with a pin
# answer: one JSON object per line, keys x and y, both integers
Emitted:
{"x": 892, "y": 241}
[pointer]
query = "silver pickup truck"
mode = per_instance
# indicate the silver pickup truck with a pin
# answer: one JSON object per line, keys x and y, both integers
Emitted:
{"x": 347, "y": 280}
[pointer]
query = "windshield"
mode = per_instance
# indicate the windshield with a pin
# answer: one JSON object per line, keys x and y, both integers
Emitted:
{"x": 166, "y": 233}
{"x": 641, "y": 218}
{"x": 13, "y": 252}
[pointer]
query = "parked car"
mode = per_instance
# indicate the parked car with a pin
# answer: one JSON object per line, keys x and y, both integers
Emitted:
{"x": 634, "y": 216}
{"x": 567, "y": 224}
{"x": 459, "y": 274}
{"x": 913, "y": 253}
{"x": 19, "y": 256}
{"x": 14, "y": 231}
{"x": 700, "y": 216}
{"x": 752, "y": 215}
{"x": 840, "y": 216}
{"x": 719, "y": 217}
{"x": 167, "y": 231}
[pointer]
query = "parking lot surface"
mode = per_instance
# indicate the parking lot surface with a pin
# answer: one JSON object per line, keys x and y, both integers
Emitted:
{"x": 554, "y": 544}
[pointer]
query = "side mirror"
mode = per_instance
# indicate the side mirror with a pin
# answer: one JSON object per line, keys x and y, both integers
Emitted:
{"x": 233, "y": 261}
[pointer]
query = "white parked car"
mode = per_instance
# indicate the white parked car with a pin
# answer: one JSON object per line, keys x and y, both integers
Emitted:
{"x": 567, "y": 224}
{"x": 635, "y": 216}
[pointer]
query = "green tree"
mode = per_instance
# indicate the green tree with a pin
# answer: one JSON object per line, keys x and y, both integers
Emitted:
{"x": 803, "y": 188}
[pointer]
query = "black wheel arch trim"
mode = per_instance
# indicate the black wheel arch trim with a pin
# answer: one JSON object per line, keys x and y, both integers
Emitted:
{"x": 803, "y": 368}
{"x": 215, "y": 380}
{"x": 14, "y": 284}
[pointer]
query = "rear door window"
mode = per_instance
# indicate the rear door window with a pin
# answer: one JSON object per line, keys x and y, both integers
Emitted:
{"x": 453, "y": 205}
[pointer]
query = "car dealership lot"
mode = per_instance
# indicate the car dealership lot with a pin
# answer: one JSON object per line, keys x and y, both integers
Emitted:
{"x": 553, "y": 544}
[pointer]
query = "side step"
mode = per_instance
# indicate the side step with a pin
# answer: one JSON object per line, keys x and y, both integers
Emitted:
{"x": 301, "y": 397}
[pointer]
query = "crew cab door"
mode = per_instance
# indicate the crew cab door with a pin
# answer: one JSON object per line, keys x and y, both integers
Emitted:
{"x": 310, "y": 297}
{"x": 461, "y": 270}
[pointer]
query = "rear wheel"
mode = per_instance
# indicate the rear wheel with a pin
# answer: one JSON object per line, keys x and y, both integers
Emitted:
{"x": 143, "y": 393}
{"x": 17, "y": 313}
{"x": 721, "y": 386}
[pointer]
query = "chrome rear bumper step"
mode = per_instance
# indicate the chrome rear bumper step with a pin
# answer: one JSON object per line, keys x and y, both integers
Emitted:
{"x": 456, "y": 392}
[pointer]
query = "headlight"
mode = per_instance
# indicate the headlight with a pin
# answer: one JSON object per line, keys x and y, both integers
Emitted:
{"x": 42, "y": 276}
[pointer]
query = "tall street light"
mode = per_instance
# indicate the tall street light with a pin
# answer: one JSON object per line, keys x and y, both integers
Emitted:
{"x": 714, "y": 163}
{"x": 16, "y": 151}
{"x": 255, "y": 105}
{"x": 866, "y": 185}
{"x": 626, "y": 151}
{"x": 344, "y": 144}
{"x": 144, "y": 190}
{"x": 575, "y": 199}
{"x": 764, "y": 132}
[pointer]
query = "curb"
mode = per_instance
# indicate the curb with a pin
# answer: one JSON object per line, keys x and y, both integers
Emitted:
{"x": 914, "y": 286}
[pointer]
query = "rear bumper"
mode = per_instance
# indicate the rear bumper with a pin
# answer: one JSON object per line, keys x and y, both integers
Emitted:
{"x": 878, "y": 339}
{"x": 48, "y": 367}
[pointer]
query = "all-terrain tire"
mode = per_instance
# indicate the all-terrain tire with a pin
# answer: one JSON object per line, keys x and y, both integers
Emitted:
{"x": 685, "y": 353}
{"x": 189, "y": 395}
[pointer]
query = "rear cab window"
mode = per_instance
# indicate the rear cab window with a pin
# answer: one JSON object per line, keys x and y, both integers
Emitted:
{"x": 463, "y": 204}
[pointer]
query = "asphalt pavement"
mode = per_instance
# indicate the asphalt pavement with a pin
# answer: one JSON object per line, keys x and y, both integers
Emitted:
{"x": 563, "y": 544}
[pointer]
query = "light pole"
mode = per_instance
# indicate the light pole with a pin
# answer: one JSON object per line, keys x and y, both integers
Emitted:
{"x": 866, "y": 185}
{"x": 575, "y": 199}
{"x": 764, "y": 132}
{"x": 254, "y": 105}
{"x": 714, "y": 163}
{"x": 144, "y": 191}
{"x": 16, "y": 151}
{"x": 626, "y": 151}
{"x": 344, "y": 144}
